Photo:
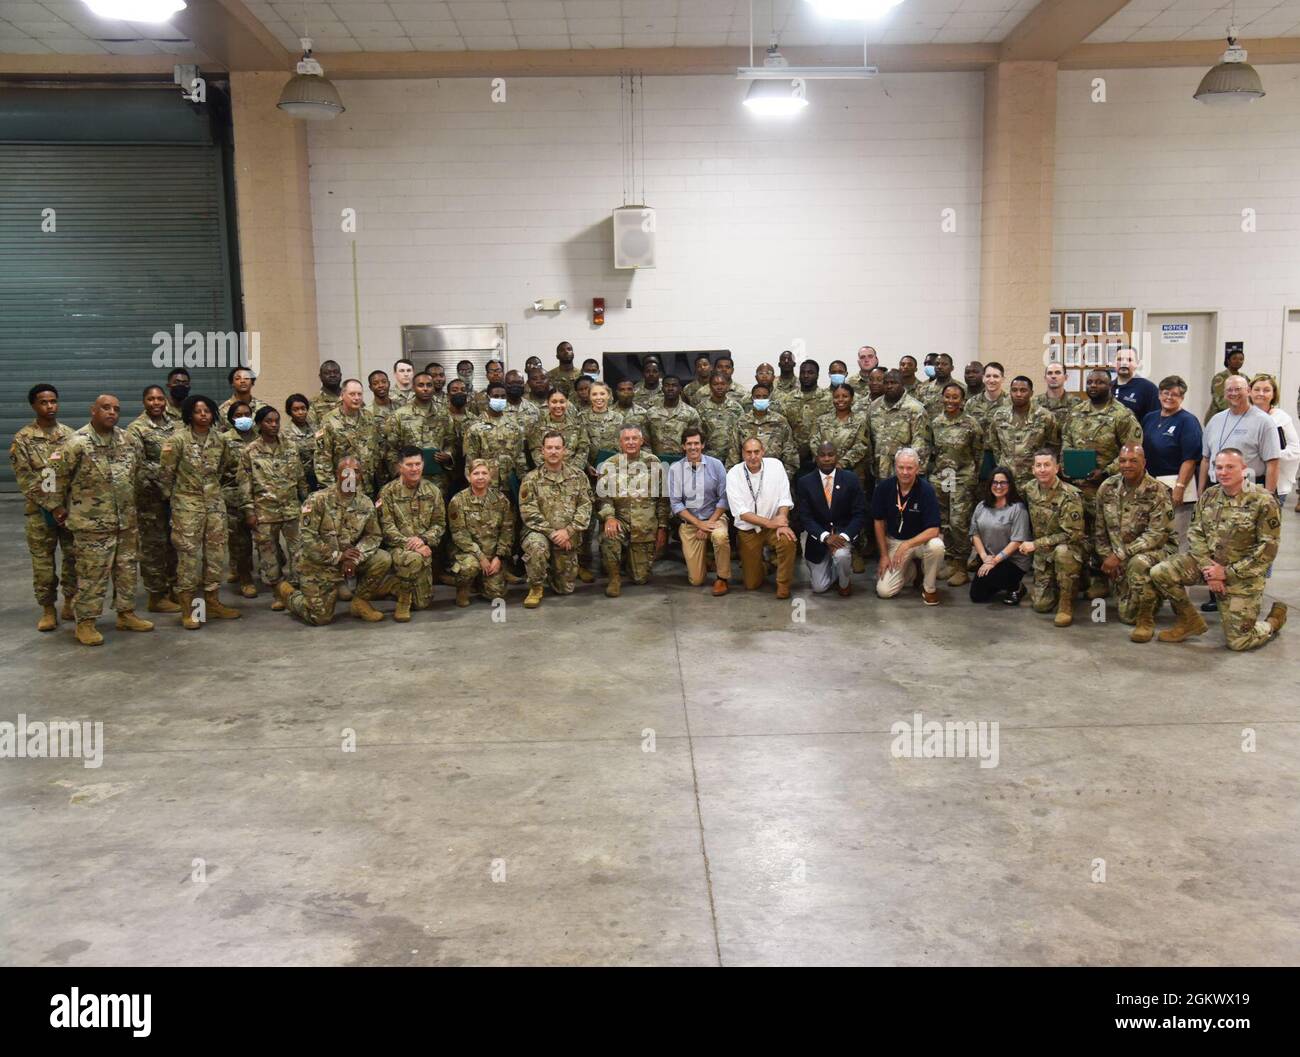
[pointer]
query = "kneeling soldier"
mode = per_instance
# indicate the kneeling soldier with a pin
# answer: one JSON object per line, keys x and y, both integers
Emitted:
{"x": 482, "y": 526}
{"x": 1056, "y": 516}
{"x": 555, "y": 508}
{"x": 413, "y": 519}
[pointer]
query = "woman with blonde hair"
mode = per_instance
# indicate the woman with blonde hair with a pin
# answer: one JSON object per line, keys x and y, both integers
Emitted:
{"x": 481, "y": 523}
{"x": 1264, "y": 393}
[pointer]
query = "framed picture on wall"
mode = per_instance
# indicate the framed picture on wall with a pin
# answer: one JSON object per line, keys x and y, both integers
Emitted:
{"x": 1114, "y": 322}
{"x": 1092, "y": 323}
{"x": 1074, "y": 380}
{"x": 1071, "y": 354}
{"x": 1092, "y": 354}
{"x": 1054, "y": 352}
{"x": 1112, "y": 350}
{"x": 1054, "y": 323}
{"x": 1073, "y": 321}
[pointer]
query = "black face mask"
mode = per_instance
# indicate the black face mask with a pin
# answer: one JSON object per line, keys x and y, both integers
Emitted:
{"x": 459, "y": 399}
{"x": 514, "y": 392}
{"x": 179, "y": 393}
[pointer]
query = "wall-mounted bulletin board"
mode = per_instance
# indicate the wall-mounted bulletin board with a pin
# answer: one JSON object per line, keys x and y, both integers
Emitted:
{"x": 1079, "y": 338}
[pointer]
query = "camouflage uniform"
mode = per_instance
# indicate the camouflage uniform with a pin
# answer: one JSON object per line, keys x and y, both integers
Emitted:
{"x": 549, "y": 502}
{"x": 527, "y": 411}
{"x": 802, "y": 409}
{"x": 499, "y": 440}
{"x": 272, "y": 485}
{"x": 930, "y": 393}
{"x": 1137, "y": 526}
{"x": 694, "y": 391}
{"x": 99, "y": 477}
{"x": 333, "y": 521}
{"x": 774, "y": 430}
{"x": 636, "y": 415}
{"x": 195, "y": 475}
{"x": 31, "y": 454}
{"x": 954, "y": 473}
{"x": 575, "y": 440}
{"x": 783, "y": 387}
{"x": 459, "y": 427}
{"x": 341, "y": 435}
{"x": 1240, "y": 533}
{"x": 1013, "y": 439}
{"x": 1218, "y": 402}
{"x": 324, "y": 404}
{"x": 239, "y": 542}
{"x": 562, "y": 378}
{"x": 718, "y": 421}
{"x": 1056, "y": 516}
{"x": 1058, "y": 406}
{"x": 422, "y": 426}
{"x": 384, "y": 414}
{"x": 481, "y": 528}
{"x": 304, "y": 442}
{"x": 400, "y": 398}
{"x": 981, "y": 408}
{"x": 1104, "y": 430}
{"x": 851, "y": 437}
{"x": 602, "y": 432}
{"x": 157, "y": 555}
{"x": 406, "y": 512}
{"x": 900, "y": 425}
{"x": 648, "y": 398}
{"x": 666, "y": 425}
{"x": 636, "y": 494}
{"x": 223, "y": 411}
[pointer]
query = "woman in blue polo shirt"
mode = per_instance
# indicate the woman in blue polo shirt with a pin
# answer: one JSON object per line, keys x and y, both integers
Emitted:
{"x": 1171, "y": 438}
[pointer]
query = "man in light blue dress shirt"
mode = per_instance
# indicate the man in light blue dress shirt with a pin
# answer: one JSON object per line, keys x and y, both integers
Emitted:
{"x": 697, "y": 494}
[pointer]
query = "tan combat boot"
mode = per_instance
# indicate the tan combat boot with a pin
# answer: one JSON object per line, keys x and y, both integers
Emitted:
{"x": 66, "y": 612}
{"x": 1276, "y": 617}
{"x": 1098, "y": 589}
{"x": 186, "y": 604}
{"x": 1065, "y": 605}
{"x": 586, "y": 575}
{"x": 958, "y": 578}
{"x": 363, "y": 610}
{"x": 49, "y": 619}
{"x": 247, "y": 588}
{"x": 283, "y": 591}
{"x": 859, "y": 563}
{"x": 1189, "y": 622}
{"x": 402, "y": 614}
{"x": 160, "y": 603}
{"x": 1145, "y": 628}
{"x": 615, "y": 586}
{"x": 87, "y": 634}
{"x": 128, "y": 621}
{"x": 217, "y": 610}
{"x": 462, "y": 595}
{"x": 534, "y": 598}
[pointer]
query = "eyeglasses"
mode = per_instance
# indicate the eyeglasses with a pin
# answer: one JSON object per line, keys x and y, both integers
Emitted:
{"x": 999, "y": 484}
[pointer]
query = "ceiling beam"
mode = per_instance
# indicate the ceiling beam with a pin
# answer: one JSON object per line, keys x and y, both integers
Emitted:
{"x": 1205, "y": 53}
{"x": 55, "y": 67}
{"x": 232, "y": 35}
{"x": 1054, "y": 27}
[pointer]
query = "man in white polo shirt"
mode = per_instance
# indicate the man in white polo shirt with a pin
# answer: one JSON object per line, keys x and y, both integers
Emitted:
{"x": 758, "y": 496}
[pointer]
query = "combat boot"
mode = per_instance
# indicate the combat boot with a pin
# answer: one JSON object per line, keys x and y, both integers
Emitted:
{"x": 160, "y": 603}
{"x": 247, "y": 588}
{"x": 1098, "y": 589}
{"x": 345, "y": 593}
{"x": 217, "y": 610}
{"x": 283, "y": 592}
{"x": 128, "y": 621}
{"x": 615, "y": 586}
{"x": 1044, "y": 604}
{"x": 1145, "y": 628}
{"x": 462, "y": 595}
{"x": 586, "y": 575}
{"x": 958, "y": 578}
{"x": 402, "y": 614}
{"x": 1276, "y": 617}
{"x": 1189, "y": 622}
{"x": 186, "y": 605}
{"x": 66, "y": 613}
{"x": 534, "y": 598}
{"x": 363, "y": 610}
{"x": 859, "y": 563}
{"x": 1065, "y": 605}
{"x": 49, "y": 619}
{"x": 87, "y": 634}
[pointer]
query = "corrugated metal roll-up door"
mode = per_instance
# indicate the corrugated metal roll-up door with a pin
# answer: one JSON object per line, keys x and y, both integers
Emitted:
{"x": 136, "y": 245}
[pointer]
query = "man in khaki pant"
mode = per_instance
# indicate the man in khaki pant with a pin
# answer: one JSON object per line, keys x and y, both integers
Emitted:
{"x": 697, "y": 494}
{"x": 758, "y": 496}
{"x": 906, "y": 514}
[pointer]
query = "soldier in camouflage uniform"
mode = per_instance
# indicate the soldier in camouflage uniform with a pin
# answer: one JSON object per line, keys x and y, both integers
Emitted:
{"x": 178, "y": 389}
{"x": 649, "y": 391}
{"x": 735, "y": 391}
{"x": 570, "y": 427}
{"x": 897, "y": 421}
{"x": 990, "y": 397}
{"x": 241, "y": 392}
{"x": 1230, "y": 546}
{"x": 787, "y": 381}
{"x": 1134, "y": 533}
{"x": 424, "y": 423}
{"x": 239, "y": 545}
{"x": 272, "y": 487}
{"x": 1056, "y": 515}
{"x": 633, "y": 511}
{"x": 98, "y": 476}
{"x": 625, "y": 404}
{"x": 157, "y": 555}
{"x": 1055, "y": 399}
{"x": 555, "y": 508}
{"x": 481, "y": 522}
{"x": 803, "y": 408}
{"x": 667, "y": 421}
{"x": 718, "y": 417}
{"x": 461, "y": 418}
{"x": 499, "y": 438}
{"x": 339, "y": 537}
{"x": 1014, "y": 433}
{"x": 563, "y": 376}
{"x": 1234, "y": 362}
{"x": 771, "y": 427}
{"x": 351, "y": 430}
{"x": 384, "y": 407}
{"x": 198, "y": 468}
{"x": 957, "y": 455}
{"x": 34, "y": 454}
{"x": 330, "y": 397}
{"x": 930, "y": 391}
{"x": 402, "y": 393}
{"x": 413, "y": 518}
{"x": 603, "y": 422}
{"x": 299, "y": 431}
{"x": 697, "y": 388}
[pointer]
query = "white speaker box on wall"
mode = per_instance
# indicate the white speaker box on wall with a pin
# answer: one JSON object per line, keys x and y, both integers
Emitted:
{"x": 634, "y": 237}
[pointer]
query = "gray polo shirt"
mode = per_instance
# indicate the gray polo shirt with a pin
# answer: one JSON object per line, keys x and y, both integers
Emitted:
{"x": 1254, "y": 434}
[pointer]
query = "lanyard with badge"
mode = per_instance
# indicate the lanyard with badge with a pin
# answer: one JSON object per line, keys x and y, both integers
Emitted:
{"x": 901, "y": 504}
{"x": 749, "y": 480}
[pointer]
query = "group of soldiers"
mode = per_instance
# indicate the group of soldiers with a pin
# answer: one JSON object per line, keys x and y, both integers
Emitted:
{"x": 435, "y": 481}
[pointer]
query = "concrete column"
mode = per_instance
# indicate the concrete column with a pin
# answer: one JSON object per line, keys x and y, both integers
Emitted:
{"x": 277, "y": 262}
{"x": 1016, "y": 221}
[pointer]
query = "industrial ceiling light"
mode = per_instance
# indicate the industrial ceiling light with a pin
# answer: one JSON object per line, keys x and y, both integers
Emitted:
{"x": 1233, "y": 82}
{"x": 309, "y": 95}
{"x": 856, "y": 9}
{"x": 775, "y": 96}
{"x": 136, "y": 10}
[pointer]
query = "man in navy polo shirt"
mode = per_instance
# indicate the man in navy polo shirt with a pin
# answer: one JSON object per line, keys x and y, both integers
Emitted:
{"x": 1139, "y": 395}
{"x": 905, "y": 511}
{"x": 1171, "y": 438}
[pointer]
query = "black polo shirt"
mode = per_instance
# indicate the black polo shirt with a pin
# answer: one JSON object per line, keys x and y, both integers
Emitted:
{"x": 905, "y": 517}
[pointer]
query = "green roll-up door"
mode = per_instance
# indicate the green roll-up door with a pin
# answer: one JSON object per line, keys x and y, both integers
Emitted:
{"x": 139, "y": 245}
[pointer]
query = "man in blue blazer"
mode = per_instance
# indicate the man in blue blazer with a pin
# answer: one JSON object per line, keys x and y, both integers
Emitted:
{"x": 833, "y": 511}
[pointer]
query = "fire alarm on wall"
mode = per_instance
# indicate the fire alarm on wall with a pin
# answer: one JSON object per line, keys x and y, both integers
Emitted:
{"x": 597, "y": 311}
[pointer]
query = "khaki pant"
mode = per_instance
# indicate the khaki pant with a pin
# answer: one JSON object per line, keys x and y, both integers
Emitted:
{"x": 751, "y": 557}
{"x": 931, "y": 556}
{"x": 695, "y": 550}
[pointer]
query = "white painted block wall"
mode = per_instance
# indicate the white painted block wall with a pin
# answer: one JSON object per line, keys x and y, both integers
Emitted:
{"x": 825, "y": 227}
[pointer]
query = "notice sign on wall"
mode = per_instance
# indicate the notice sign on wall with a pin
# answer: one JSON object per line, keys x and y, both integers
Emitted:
{"x": 1175, "y": 333}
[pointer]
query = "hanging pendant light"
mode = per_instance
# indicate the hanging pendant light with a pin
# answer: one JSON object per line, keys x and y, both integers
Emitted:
{"x": 778, "y": 97}
{"x": 1233, "y": 82}
{"x": 309, "y": 95}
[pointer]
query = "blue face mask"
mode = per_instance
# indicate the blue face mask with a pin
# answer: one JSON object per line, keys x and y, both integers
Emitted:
{"x": 761, "y": 404}
{"x": 838, "y": 379}
{"x": 243, "y": 424}
{"x": 929, "y": 370}
{"x": 497, "y": 404}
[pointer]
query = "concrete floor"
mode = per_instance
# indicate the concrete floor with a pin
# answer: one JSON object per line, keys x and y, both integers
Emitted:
{"x": 770, "y": 825}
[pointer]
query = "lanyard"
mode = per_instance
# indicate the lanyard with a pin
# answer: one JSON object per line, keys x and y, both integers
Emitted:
{"x": 749, "y": 480}
{"x": 901, "y": 504}
{"x": 1225, "y": 433}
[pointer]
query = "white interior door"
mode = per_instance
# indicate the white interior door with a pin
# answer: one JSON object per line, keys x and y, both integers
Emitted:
{"x": 1183, "y": 343}
{"x": 1290, "y": 379}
